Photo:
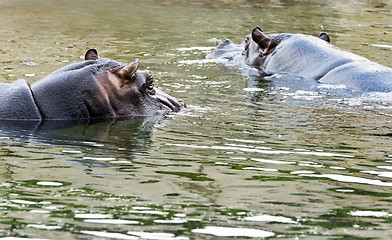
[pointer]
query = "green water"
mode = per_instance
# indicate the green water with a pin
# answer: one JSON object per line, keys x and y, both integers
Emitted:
{"x": 249, "y": 158}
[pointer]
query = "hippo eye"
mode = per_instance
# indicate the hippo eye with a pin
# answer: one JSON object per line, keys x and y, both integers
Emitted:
{"x": 150, "y": 85}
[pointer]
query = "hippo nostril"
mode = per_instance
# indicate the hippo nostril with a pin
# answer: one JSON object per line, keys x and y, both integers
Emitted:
{"x": 182, "y": 103}
{"x": 226, "y": 42}
{"x": 167, "y": 104}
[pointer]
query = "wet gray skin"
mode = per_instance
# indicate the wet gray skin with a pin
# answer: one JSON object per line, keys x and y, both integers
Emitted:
{"x": 315, "y": 58}
{"x": 226, "y": 49}
{"x": 232, "y": 56}
{"x": 92, "y": 89}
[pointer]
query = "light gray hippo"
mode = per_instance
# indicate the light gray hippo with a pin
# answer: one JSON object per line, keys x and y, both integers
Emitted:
{"x": 315, "y": 58}
{"x": 92, "y": 89}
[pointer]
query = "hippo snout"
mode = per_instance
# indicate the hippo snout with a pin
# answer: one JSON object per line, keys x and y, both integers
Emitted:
{"x": 169, "y": 103}
{"x": 224, "y": 43}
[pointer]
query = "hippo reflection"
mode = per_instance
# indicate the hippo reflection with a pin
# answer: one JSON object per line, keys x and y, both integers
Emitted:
{"x": 92, "y": 89}
{"x": 315, "y": 58}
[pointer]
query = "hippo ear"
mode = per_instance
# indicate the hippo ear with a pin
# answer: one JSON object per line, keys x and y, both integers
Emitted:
{"x": 260, "y": 38}
{"x": 324, "y": 37}
{"x": 91, "y": 54}
{"x": 127, "y": 71}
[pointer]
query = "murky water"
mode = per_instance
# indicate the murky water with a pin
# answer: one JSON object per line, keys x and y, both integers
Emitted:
{"x": 249, "y": 158}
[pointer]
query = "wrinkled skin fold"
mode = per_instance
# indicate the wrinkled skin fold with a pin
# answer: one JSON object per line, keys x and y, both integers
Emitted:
{"x": 92, "y": 89}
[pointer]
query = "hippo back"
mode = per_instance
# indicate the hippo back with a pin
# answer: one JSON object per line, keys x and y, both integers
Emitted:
{"x": 16, "y": 102}
{"x": 307, "y": 56}
{"x": 73, "y": 92}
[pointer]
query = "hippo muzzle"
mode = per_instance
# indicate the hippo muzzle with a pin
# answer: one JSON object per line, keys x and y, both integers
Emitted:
{"x": 169, "y": 103}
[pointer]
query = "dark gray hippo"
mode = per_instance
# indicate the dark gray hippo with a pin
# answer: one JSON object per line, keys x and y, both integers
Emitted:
{"x": 315, "y": 58}
{"x": 92, "y": 89}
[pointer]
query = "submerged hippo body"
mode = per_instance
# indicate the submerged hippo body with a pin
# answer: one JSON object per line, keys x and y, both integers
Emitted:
{"x": 315, "y": 58}
{"x": 92, "y": 89}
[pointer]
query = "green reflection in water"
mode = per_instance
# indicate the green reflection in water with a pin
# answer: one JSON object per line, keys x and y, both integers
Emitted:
{"x": 192, "y": 176}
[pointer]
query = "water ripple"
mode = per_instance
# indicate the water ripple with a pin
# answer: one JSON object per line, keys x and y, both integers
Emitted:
{"x": 350, "y": 179}
{"x": 322, "y": 154}
{"x": 233, "y": 232}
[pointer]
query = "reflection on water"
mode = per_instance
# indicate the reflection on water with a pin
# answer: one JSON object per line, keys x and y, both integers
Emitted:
{"x": 251, "y": 157}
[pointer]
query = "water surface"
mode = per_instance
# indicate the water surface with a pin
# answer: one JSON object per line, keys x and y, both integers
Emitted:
{"x": 250, "y": 157}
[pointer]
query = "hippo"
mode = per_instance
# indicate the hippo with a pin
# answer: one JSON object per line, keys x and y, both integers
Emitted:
{"x": 226, "y": 50}
{"x": 93, "y": 89}
{"x": 314, "y": 58}
{"x": 230, "y": 57}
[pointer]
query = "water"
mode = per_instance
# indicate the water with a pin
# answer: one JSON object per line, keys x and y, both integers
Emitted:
{"x": 251, "y": 157}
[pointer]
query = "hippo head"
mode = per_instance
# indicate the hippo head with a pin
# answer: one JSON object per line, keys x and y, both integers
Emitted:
{"x": 101, "y": 88}
{"x": 258, "y": 46}
{"x": 131, "y": 91}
